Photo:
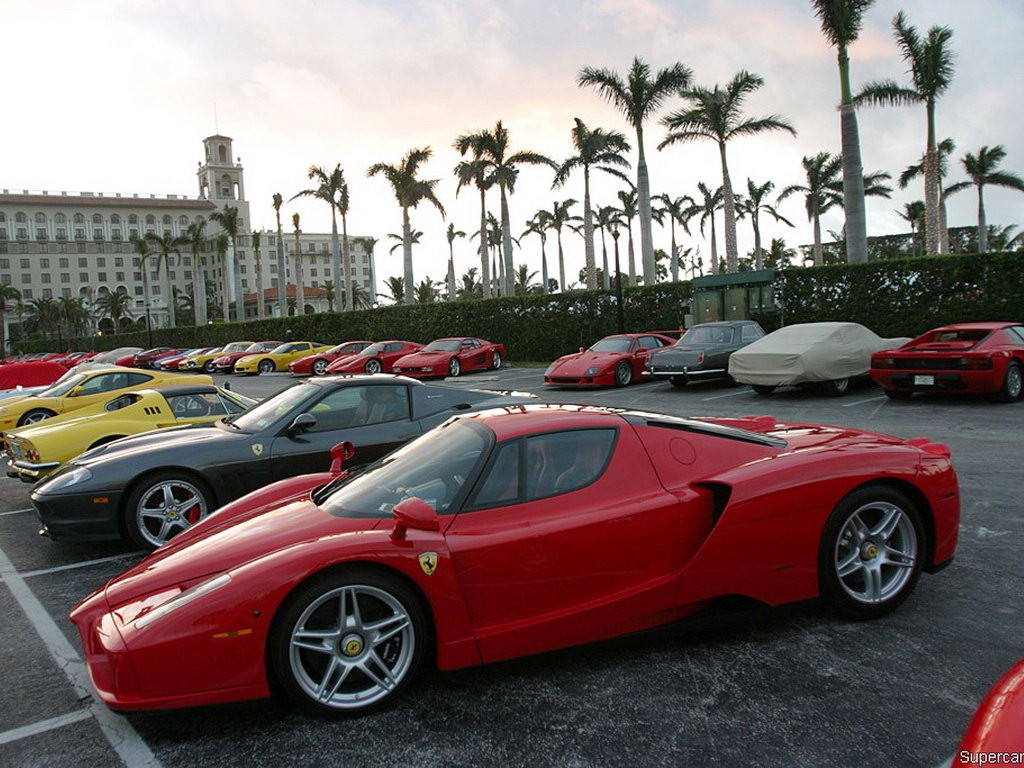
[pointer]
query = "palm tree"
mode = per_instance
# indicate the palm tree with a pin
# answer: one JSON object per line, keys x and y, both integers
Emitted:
{"x": 524, "y": 280}
{"x": 931, "y": 70}
{"x": 638, "y": 97}
{"x": 716, "y": 115}
{"x": 539, "y": 225}
{"x": 607, "y": 217}
{"x": 946, "y": 147}
{"x": 679, "y": 211}
{"x": 476, "y": 172}
{"x": 221, "y": 245}
{"x": 9, "y": 297}
{"x": 707, "y": 207}
{"x": 469, "y": 287}
{"x": 982, "y": 170}
{"x": 257, "y": 237}
{"x": 73, "y": 314}
{"x": 231, "y": 223}
{"x": 492, "y": 146}
{"x": 361, "y": 297}
{"x": 329, "y": 287}
{"x": 493, "y": 239}
{"x": 396, "y": 288}
{"x": 913, "y": 214}
{"x": 757, "y": 202}
{"x": 560, "y": 217}
{"x": 409, "y": 192}
{"x": 195, "y": 238}
{"x": 599, "y": 150}
{"x": 841, "y": 22}
{"x": 44, "y": 315}
{"x": 451, "y": 234}
{"x": 427, "y": 291}
{"x": 414, "y": 238}
{"x": 282, "y": 270}
{"x": 369, "y": 243}
{"x": 166, "y": 245}
{"x": 346, "y": 253}
{"x": 629, "y": 210}
{"x": 300, "y": 289}
{"x": 116, "y": 306}
{"x": 332, "y": 189}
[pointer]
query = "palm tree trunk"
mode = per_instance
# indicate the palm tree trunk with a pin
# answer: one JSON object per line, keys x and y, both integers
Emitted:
{"x": 943, "y": 227}
{"x": 260, "y": 313}
{"x": 729, "y": 201}
{"x": 502, "y": 273}
{"x": 407, "y": 256}
{"x": 588, "y": 232}
{"x": 819, "y": 252}
{"x": 675, "y": 251}
{"x": 282, "y": 272}
{"x": 853, "y": 169}
{"x": 758, "y": 255}
{"x": 632, "y": 255}
{"x": 3, "y": 327}
{"x": 714, "y": 247}
{"x": 982, "y": 223}
{"x": 931, "y": 187}
{"x": 507, "y": 279}
{"x": 485, "y": 262}
{"x": 606, "y": 279}
{"x": 643, "y": 187}
{"x": 170, "y": 291}
{"x": 346, "y": 251}
{"x": 451, "y": 272}
{"x": 544, "y": 263}
{"x": 300, "y": 289}
{"x": 336, "y": 258}
{"x": 225, "y": 299}
{"x": 198, "y": 289}
{"x": 561, "y": 263}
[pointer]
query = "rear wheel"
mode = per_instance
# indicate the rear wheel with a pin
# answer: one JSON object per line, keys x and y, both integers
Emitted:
{"x": 319, "y": 367}
{"x": 372, "y": 366}
{"x": 898, "y": 394}
{"x": 349, "y": 642}
{"x": 496, "y": 361}
{"x": 623, "y": 374}
{"x": 836, "y": 387}
{"x": 1011, "y": 389}
{"x": 163, "y": 505}
{"x": 266, "y": 366}
{"x": 454, "y": 367}
{"x": 208, "y": 366}
{"x": 762, "y": 389}
{"x": 35, "y": 415}
{"x": 871, "y": 552}
{"x": 677, "y": 381}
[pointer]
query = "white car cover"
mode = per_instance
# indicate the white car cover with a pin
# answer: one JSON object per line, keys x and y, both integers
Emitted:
{"x": 809, "y": 352}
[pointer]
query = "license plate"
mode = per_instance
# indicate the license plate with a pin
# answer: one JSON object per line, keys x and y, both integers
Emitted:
{"x": 924, "y": 381}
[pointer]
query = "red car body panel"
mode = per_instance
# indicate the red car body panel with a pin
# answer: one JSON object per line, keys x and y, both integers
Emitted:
{"x": 148, "y": 357}
{"x": 226, "y": 363}
{"x": 971, "y": 366}
{"x": 648, "y": 542}
{"x": 571, "y": 370}
{"x": 30, "y": 374}
{"x": 476, "y": 359}
{"x": 304, "y": 365}
{"x": 998, "y": 724}
{"x": 357, "y": 363}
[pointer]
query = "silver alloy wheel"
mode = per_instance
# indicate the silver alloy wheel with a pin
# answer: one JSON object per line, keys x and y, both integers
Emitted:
{"x": 266, "y": 366}
{"x": 1013, "y": 382}
{"x": 208, "y": 366}
{"x": 34, "y": 417}
{"x": 496, "y": 361}
{"x": 876, "y": 552}
{"x": 454, "y": 367}
{"x": 623, "y": 374}
{"x": 351, "y": 647}
{"x": 373, "y": 366}
{"x": 841, "y": 385}
{"x": 168, "y": 508}
{"x": 319, "y": 367}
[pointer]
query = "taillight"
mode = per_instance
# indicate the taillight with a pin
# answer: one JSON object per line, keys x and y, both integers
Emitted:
{"x": 32, "y": 455}
{"x": 976, "y": 363}
{"x": 883, "y": 362}
{"x": 700, "y": 357}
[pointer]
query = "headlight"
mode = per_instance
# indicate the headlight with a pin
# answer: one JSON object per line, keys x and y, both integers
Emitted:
{"x": 3, "y": 410}
{"x": 549, "y": 370}
{"x": 66, "y": 479}
{"x": 592, "y": 371}
{"x": 183, "y": 599}
{"x": 428, "y": 369}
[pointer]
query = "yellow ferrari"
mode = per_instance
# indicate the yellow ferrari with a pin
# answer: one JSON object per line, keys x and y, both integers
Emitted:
{"x": 84, "y": 389}
{"x": 278, "y": 358}
{"x": 204, "y": 361}
{"x": 39, "y": 449}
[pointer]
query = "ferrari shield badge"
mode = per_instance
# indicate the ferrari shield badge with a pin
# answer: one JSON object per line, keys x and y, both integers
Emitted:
{"x": 257, "y": 449}
{"x": 428, "y": 562}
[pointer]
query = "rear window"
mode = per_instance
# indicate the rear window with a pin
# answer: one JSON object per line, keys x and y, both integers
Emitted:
{"x": 707, "y": 334}
{"x": 958, "y": 335}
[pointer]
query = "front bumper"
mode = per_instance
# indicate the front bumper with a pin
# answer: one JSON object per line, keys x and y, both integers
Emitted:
{"x": 31, "y": 471}
{"x": 419, "y": 373}
{"x": 597, "y": 380}
{"x": 85, "y": 516}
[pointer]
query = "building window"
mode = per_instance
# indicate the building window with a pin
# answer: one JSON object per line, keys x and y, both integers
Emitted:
{"x": 137, "y": 276}
{"x": 45, "y": 277}
{"x": 26, "y": 293}
{"x": 26, "y": 278}
{"x": 83, "y": 263}
{"x": 40, "y": 218}
{"x": 44, "y": 263}
{"x": 79, "y": 218}
{"x": 186, "y": 261}
{"x": 188, "y": 274}
{"x": 40, "y": 233}
{"x": 65, "y": 277}
{"x": 245, "y": 283}
{"x": 83, "y": 277}
{"x": 97, "y": 219}
{"x": 133, "y": 234}
{"x": 311, "y": 248}
{"x": 273, "y": 269}
{"x": 151, "y": 219}
{"x": 66, "y": 292}
{"x": 138, "y": 290}
{"x": 167, "y": 220}
{"x": 60, "y": 218}
{"x": 62, "y": 233}
{"x": 62, "y": 263}
{"x": 20, "y": 217}
{"x": 5, "y": 263}
{"x": 119, "y": 277}
{"x": 22, "y": 233}
{"x": 154, "y": 275}
{"x": 119, "y": 261}
{"x": 155, "y": 290}
{"x": 115, "y": 234}
{"x": 101, "y": 262}
{"x": 312, "y": 272}
{"x": 47, "y": 293}
{"x": 5, "y": 279}
{"x": 133, "y": 219}
{"x": 24, "y": 263}
{"x": 241, "y": 268}
{"x": 97, "y": 234}
{"x": 102, "y": 277}
{"x": 79, "y": 233}
{"x": 3, "y": 233}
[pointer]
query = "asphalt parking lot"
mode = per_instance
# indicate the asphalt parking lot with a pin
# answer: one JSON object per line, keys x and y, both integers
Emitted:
{"x": 780, "y": 687}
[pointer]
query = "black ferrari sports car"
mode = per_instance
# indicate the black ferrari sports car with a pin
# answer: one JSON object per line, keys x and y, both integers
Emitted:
{"x": 703, "y": 352}
{"x": 155, "y": 485}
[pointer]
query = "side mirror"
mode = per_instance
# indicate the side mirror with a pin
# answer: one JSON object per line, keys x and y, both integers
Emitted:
{"x": 301, "y": 423}
{"x": 75, "y": 392}
{"x": 582, "y": 350}
{"x": 341, "y": 453}
{"x": 416, "y": 514}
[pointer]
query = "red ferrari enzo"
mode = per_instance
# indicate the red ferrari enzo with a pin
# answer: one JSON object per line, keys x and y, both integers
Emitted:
{"x": 451, "y": 357}
{"x": 997, "y": 727}
{"x": 982, "y": 358}
{"x": 376, "y": 358}
{"x": 510, "y": 532}
{"x": 317, "y": 364}
{"x": 614, "y": 361}
{"x": 226, "y": 363}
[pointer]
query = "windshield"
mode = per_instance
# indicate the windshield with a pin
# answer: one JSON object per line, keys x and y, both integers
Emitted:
{"x": 612, "y": 344}
{"x": 373, "y": 349}
{"x": 442, "y": 345}
{"x": 236, "y": 347}
{"x": 270, "y": 411}
{"x": 62, "y": 387}
{"x": 707, "y": 334}
{"x": 263, "y": 346}
{"x": 288, "y": 346}
{"x": 433, "y": 468}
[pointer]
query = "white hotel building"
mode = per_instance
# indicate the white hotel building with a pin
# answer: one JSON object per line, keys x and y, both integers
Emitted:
{"x": 55, "y": 244}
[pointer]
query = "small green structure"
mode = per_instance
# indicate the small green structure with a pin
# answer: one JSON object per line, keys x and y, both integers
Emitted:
{"x": 735, "y": 296}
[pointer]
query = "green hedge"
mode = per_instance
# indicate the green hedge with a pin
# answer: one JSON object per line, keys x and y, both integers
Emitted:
{"x": 906, "y": 297}
{"x": 530, "y": 327}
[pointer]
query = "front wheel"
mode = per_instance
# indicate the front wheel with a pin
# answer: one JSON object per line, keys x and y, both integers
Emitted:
{"x": 372, "y": 366}
{"x": 35, "y": 415}
{"x": 762, "y": 389}
{"x": 1011, "y": 389}
{"x": 208, "y": 366}
{"x": 164, "y": 505}
{"x": 871, "y": 552}
{"x": 454, "y": 367}
{"x": 677, "y": 381}
{"x": 623, "y": 374}
{"x": 836, "y": 387}
{"x": 349, "y": 641}
{"x": 319, "y": 367}
{"x": 267, "y": 366}
{"x": 496, "y": 361}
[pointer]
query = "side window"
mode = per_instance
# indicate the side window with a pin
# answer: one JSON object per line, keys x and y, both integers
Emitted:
{"x": 749, "y": 333}
{"x": 1018, "y": 330}
{"x": 230, "y": 406}
{"x": 196, "y": 406}
{"x": 561, "y": 462}
{"x": 649, "y": 342}
{"x": 393, "y": 346}
{"x": 500, "y": 486}
{"x": 361, "y": 406}
{"x": 470, "y": 344}
{"x": 105, "y": 382}
{"x": 135, "y": 379}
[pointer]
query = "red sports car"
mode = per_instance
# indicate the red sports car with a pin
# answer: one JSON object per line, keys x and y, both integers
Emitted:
{"x": 981, "y": 358}
{"x": 451, "y": 357}
{"x": 998, "y": 725}
{"x": 317, "y": 364}
{"x": 377, "y": 358}
{"x": 226, "y": 363}
{"x": 148, "y": 357}
{"x": 509, "y": 532}
{"x": 614, "y": 361}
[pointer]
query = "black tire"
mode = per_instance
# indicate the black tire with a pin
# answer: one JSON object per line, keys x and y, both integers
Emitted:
{"x": 35, "y": 415}
{"x": 623, "y": 374}
{"x": 866, "y": 502}
{"x": 266, "y": 366}
{"x": 836, "y": 388}
{"x": 208, "y": 366}
{"x": 677, "y": 381}
{"x": 454, "y": 367}
{"x": 372, "y": 366}
{"x": 105, "y": 440}
{"x": 1012, "y": 384}
{"x": 148, "y": 486}
{"x": 762, "y": 389}
{"x": 279, "y": 648}
{"x": 729, "y": 381}
{"x": 898, "y": 394}
{"x": 319, "y": 367}
{"x": 496, "y": 360}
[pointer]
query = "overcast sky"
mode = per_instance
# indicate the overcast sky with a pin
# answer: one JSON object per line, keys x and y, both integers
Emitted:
{"x": 116, "y": 97}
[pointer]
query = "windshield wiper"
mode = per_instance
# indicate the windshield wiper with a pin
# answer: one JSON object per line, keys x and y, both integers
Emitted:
{"x": 323, "y": 492}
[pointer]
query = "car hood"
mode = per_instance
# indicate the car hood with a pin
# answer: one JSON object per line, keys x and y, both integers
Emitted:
{"x": 577, "y": 365}
{"x": 425, "y": 358}
{"x": 214, "y": 546}
{"x": 352, "y": 362}
{"x": 186, "y": 438}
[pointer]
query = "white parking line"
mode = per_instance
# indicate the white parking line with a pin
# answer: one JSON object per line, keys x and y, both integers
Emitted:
{"x": 81, "y": 564}
{"x": 727, "y": 394}
{"x": 44, "y": 725}
{"x": 124, "y": 739}
{"x": 861, "y": 402}
{"x": 15, "y": 512}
